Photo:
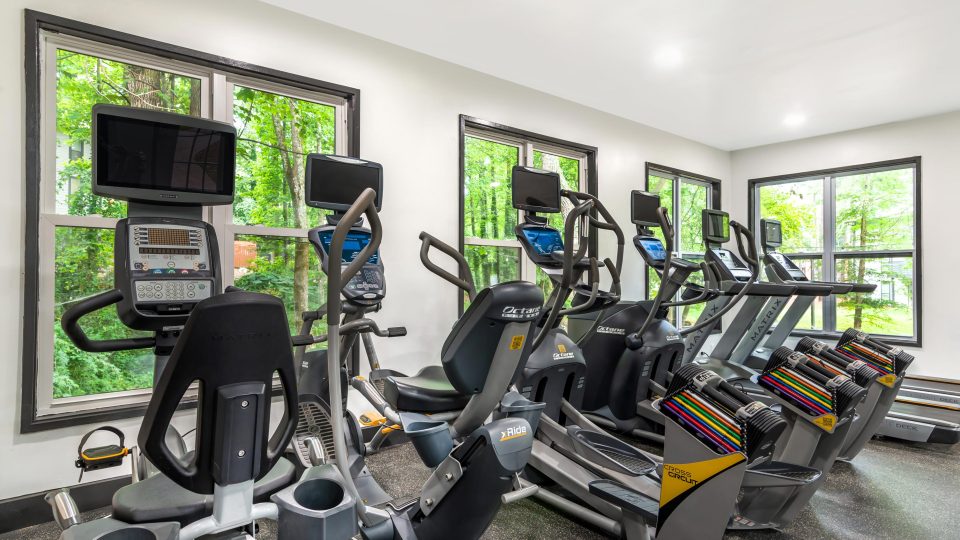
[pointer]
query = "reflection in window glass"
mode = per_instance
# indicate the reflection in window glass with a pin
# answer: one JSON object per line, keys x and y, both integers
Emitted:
{"x": 889, "y": 309}
{"x": 799, "y": 208}
{"x": 488, "y": 201}
{"x": 875, "y": 211}
{"x": 274, "y": 135}
{"x": 84, "y": 266}
{"x": 84, "y": 81}
{"x": 491, "y": 265}
{"x": 268, "y": 264}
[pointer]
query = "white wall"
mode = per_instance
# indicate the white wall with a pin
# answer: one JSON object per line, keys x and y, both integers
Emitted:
{"x": 410, "y": 108}
{"x": 937, "y": 140}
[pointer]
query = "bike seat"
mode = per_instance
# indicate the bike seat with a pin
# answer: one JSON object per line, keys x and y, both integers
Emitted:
{"x": 428, "y": 391}
{"x": 158, "y": 498}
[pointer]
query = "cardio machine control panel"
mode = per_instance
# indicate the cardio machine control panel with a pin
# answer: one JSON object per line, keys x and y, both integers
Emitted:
{"x": 784, "y": 267}
{"x": 540, "y": 241}
{"x": 368, "y": 286}
{"x": 651, "y": 249}
{"x": 165, "y": 266}
{"x": 730, "y": 266}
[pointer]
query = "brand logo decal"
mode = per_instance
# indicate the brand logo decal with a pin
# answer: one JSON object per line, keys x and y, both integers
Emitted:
{"x": 516, "y": 342}
{"x": 673, "y": 337}
{"x": 513, "y": 433}
{"x": 611, "y": 330}
{"x": 512, "y": 312}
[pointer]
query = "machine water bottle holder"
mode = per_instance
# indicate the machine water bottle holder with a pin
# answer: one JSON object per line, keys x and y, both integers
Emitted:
{"x": 514, "y": 405}
{"x": 316, "y": 507}
{"x": 431, "y": 438}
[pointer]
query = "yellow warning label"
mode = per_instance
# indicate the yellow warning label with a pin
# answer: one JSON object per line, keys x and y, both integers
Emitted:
{"x": 516, "y": 342}
{"x": 826, "y": 422}
{"x": 372, "y": 418}
{"x": 887, "y": 380}
{"x": 678, "y": 478}
{"x": 561, "y": 347}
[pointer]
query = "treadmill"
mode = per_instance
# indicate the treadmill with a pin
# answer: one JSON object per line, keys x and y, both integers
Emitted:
{"x": 780, "y": 269}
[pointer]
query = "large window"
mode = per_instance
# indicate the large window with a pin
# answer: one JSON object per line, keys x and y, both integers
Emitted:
{"x": 685, "y": 196}
{"x": 856, "y": 224}
{"x": 489, "y": 154}
{"x": 262, "y": 236}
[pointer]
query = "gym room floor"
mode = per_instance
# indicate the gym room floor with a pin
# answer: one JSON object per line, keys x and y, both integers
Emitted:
{"x": 891, "y": 490}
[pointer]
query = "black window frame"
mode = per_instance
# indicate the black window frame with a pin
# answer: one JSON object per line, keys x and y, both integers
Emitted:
{"x": 916, "y": 162}
{"x": 35, "y": 23}
{"x": 467, "y": 122}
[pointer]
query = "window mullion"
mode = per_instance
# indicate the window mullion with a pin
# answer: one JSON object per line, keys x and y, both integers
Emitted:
{"x": 828, "y": 263}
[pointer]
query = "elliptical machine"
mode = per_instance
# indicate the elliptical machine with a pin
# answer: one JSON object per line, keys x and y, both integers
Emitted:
{"x": 690, "y": 492}
{"x": 167, "y": 279}
{"x": 474, "y": 463}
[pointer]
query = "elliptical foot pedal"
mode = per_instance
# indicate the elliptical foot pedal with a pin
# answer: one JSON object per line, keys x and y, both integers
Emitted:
{"x": 610, "y": 452}
{"x": 401, "y": 504}
{"x": 627, "y": 499}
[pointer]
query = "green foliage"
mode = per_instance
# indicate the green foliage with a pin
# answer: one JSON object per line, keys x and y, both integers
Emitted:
{"x": 874, "y": 211}
{"x": 488, "y": 206}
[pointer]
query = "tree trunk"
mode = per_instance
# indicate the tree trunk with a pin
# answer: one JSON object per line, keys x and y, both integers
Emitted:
{"x": 144, "y": 87}
{"x": 195, "y": 97}
{"x": 861, "y": 272}
{"x": 293, "y": 176}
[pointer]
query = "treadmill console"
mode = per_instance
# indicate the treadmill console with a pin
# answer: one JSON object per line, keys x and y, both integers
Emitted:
{"x": 730, "y": 266}
{"x": 164, "y": 266}
{"x": 368, "y": 286}
{"x": 786, "y": 269}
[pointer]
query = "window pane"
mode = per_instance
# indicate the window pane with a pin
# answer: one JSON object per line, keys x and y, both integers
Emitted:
{"x": 84, "y": 266}
{"x": 875, "y": 211}
{"x": 491, "y": 265}
{"x": 663, "y": 187}
{"x": 84, "y": 81}
{"x": 283, "y": 267}
{"x": 274, "y": 135}
{"x": 799, "y": 208}
{"x": 813, "y": 318}
{"x": 487, "y": 200}
{"x": 689, "y": 314}
{"x": 569, "y": 171}
{"x": 693, "y": 200}
{"x": 889, "y": 309}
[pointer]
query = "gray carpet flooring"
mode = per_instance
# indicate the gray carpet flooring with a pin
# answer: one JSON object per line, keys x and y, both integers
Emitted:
{"x": 892, "y": 490}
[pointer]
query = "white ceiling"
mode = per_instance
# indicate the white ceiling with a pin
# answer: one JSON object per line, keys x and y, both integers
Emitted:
{"x": 746, "y": 64}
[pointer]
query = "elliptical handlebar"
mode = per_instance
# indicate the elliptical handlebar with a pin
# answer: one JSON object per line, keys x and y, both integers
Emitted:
{"x": 337, "y": 276}
{"x": 466, "y": 283}
{"x": 70, "y": 322}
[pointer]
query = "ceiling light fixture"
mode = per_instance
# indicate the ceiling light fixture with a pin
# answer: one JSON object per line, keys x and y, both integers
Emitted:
{"x": 794, "y": 120}
{"x": 668, "y": 57}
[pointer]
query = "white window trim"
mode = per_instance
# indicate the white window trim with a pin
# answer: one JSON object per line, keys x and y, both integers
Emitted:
{"x": 216, "y": 94}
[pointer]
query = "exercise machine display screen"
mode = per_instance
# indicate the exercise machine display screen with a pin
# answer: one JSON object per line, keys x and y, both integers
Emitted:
{"x": 170, "y": 263}
{"x": 544, "y": 240}
{"x": 654, "y": 248}
{"x": 536, "y": 190}
{"x": 643, "y": 208}
{"x": 335, "y": 182}
{"x": 716, "y": 226}
{"x": 772, "y": 233}
{"x": 145, "y": 154}
{"x": 353, "y": 244}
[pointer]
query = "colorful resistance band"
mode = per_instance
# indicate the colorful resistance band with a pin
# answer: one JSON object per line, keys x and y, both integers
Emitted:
{"x": 872, "y": 358}
{"x": 701, "y": 417}
{"x": 804, "y": 392}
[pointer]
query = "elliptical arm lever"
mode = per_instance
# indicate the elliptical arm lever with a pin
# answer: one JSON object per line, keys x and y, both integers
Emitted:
{"x": 70, "y": 322}
{"x": 465, "y": 281}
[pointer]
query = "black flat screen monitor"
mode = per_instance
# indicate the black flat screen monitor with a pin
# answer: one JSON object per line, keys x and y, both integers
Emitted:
{"x": 335, "y": 182}
{"x": 536, "y": 190}
{"x": 643, "y": 208}
{"x": 716, "y": 226}
{"x": 772, "y": 233}
{"x": 154, "y": 156}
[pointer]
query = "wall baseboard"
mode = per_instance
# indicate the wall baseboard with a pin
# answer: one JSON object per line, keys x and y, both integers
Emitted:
{"x": 27, "y": 510}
